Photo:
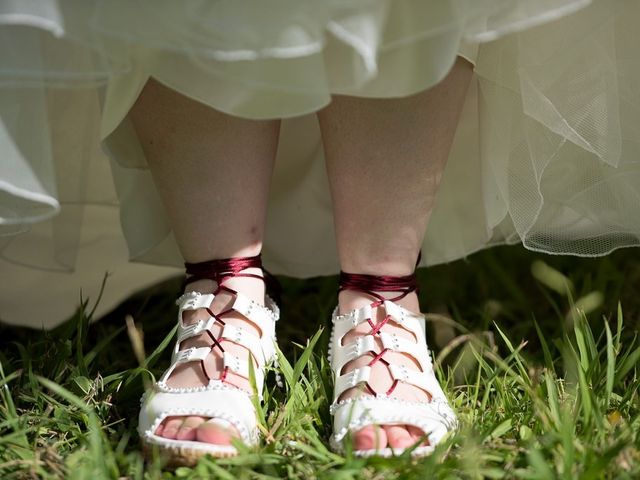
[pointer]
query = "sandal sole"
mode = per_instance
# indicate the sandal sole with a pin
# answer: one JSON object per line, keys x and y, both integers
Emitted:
{"x": 181, "y": 456}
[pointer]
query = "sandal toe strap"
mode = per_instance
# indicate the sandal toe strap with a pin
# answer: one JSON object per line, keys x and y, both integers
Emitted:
{"x": 435, "y": 418}
{"x": 226, "y": 403}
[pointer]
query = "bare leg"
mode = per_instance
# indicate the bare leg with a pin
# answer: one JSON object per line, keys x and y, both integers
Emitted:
{"x": 385, "y": 158}
{"x": 213, "y": 172}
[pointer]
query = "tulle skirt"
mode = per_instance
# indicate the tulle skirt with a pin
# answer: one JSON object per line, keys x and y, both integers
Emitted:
{"x": 547, "y": 151}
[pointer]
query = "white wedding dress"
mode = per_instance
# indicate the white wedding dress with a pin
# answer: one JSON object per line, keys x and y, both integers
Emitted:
{"x": 547, "y": 152}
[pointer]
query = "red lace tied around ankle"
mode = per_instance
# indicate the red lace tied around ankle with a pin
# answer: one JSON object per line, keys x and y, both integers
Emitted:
{"x": 371, "y": 285}
{"x": 219, "y": 271}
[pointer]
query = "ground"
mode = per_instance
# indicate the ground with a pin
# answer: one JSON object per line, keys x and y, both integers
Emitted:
{"x": 538, "y": 355}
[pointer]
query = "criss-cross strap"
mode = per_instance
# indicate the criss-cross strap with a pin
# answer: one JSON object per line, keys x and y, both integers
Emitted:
{"x": 218, "y": 399}
{"x": 261, "y": 347}
{"x": 377, "y": 342}
{"x": 409, "y": 321}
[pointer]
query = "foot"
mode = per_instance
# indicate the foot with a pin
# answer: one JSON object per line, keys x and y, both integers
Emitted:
{"x": 203, "y": 429}
{"x": 376, "y": 437}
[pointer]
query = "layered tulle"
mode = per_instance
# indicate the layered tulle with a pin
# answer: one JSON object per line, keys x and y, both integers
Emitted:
{"x": 547, "y": 151}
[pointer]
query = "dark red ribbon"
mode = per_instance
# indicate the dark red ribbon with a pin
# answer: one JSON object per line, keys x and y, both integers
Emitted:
{"x": 220, "y": 269}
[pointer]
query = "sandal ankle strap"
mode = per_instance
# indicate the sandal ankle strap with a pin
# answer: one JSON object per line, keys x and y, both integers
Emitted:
{"x": 219, "y": 270}
{"x": 372, "y": 284}
{"x": 222, "y": 269}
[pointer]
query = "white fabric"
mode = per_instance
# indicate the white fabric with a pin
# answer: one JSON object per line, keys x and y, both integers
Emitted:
{"x": 242, "y": 336}
{"x": 350, "y": 380}
{"x": 546, "y": 153}
{"x": 259, "y": 315}
{"x": 193, "y": 330}
{"x": 241, "y": 367}
{"x": 414, "y": 322}
{"x": 194, "y": 301}
{"x": 424, "y": 380}
{"x": 343, "y": 354}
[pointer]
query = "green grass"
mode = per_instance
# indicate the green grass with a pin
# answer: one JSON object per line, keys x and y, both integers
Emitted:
{"x": 538, "y": 355}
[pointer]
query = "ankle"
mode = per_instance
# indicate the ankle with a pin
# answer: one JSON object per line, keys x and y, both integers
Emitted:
{"x": 398, "y": 264}
{"x": 206, "y": 255}
{"x": 349, "y": 300}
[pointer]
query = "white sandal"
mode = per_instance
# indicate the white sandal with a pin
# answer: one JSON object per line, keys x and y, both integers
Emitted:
{"x": 218, "y": 400}
{"x": 435, "y": 417}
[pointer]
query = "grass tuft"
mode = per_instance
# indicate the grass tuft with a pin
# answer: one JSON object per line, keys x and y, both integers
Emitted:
{"x": 539, "y": 357}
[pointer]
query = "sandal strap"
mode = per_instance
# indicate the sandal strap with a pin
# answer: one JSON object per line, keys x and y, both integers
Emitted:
{"x": 263, "y": 317}
{"x": 413, "y": 322}
{"x": 220, "y": 269}
{"x": 433, "y": 416}
{"x": 219, "y": 401}
{"x": 261, "y": 347}
{"x": 371, "y": 284}
{"x": 390, "y": 342}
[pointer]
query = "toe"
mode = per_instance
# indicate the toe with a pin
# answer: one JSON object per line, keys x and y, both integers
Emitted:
{"x": 398, "y": 436}
{"x": 189, "y": 428}
{"x": 171, "y": 427}
{"x": 417, "y": 434}
{"x": 217, "y": 431}
{"x": 371, "y": 437}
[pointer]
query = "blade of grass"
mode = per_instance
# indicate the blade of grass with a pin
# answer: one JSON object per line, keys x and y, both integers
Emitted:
{"x": 611, "y": 365}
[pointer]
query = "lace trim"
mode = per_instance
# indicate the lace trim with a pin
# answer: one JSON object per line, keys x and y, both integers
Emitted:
{"x": 353, "y": 314}
{"x": 388, "y": 398}
{"x": 213, "y": 386}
